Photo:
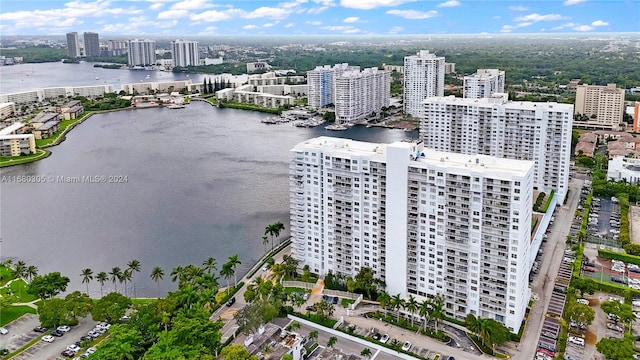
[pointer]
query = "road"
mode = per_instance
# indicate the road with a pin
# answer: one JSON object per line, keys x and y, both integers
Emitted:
{"x": 543, "y": 283}
{"x": 226, "y": 313}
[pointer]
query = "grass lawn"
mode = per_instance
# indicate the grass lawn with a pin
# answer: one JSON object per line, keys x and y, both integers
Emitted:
{"x": 64, "y": 124}
{"x": 5, "y": 275}
{"x": 10, "y": 313}
{"x": 16, "y": 160}
{"x": 19, "y": 289}
{"x": 143, "y": 301}
{"x": 345, "y": 302}
{"x": 290, "y": 290}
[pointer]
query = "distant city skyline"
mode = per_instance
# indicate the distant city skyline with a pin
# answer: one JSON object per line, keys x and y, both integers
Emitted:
{"x": 316, "y": 17}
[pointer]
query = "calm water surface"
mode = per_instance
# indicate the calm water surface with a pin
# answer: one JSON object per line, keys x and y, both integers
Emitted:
{"x": 201, "y": 182}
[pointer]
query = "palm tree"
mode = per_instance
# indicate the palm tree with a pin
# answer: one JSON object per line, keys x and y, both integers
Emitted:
{"x": 332, "y": 341}
{"x": 19, "y": 269}
{"x": 397, "y": 304}
{"x": 437, "y": 305}
{"x": 126, "y": 276}
{"x": 133, "y": 266}
{"x": 265, "y": 242}
{"x": 31, "y": 271}
{"x": 227, "y": 272}
{"x": 384, "y": 298}
{"x": 102, "y": 277}
{"x": 294, "y": 326}
{"x": 411, "y": 306}
{"x": 274, "y": 231}
{"x": 425, "y": 311}
{"x": 177, "y": 274}
{"x": 209, "y": 264}
{"x": 87, "y": 276}
{"x": 366, "y": 352}
{"x": 116, "y": 275}
{"x": 233, "y": 262}
{"x": 313, "y": 335}
{"x": 156, "y": 275}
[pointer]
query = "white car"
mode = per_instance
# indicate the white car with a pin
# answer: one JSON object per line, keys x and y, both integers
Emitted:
{"x": 48, "y": 338}
{"x": 583, "y": 301}
{"x": 63, "y": 328}
{"x": 576, "y": 340}
{"x": 406, "y": 346}
{"x": 635, "y": 303}
{"x": 91, "y": 350}
{"x": 618, "y": 269}
{"x": 73, "y": 347}
{"x": 3, "y": 330}
{"x": 384, "y": 338}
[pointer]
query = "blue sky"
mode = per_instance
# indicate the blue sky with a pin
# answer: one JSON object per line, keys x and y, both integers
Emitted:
{"x": 334, "y": 17}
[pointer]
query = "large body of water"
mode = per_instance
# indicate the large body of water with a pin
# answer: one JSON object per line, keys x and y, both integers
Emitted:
{"x": 25, "y": 77}
{"x": 201, "y": 182}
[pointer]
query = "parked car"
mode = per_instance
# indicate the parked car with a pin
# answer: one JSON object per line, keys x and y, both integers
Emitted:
{"x": 231, "y": 301}
{"x": 576, "y": 340}
{"x": 67, "y": 353}
{"x": 40, "y": 329}
{"x": 57, "y": 333}
{"x": 588, "y": 269}
{"x": 63, "y": 328}
{"x": 406, "y": 346}
{"x": 73, "y": 347}
{"x": 619, "y": 280}
{"x": 3, "y": 330}
{"x": 583, "y": 301}
{"x": 384, "y": 338}
{"x": 48, "y": 338}
{"x": 86, "y": 338}
{"x": 376, "y": 336}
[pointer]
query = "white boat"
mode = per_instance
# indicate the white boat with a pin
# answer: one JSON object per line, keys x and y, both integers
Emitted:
{"x": 176, "y": 106}
{"x": 336, "y": 127}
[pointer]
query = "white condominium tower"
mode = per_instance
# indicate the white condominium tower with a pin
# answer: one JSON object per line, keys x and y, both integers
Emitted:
{"x": 599, "y": 107}
{"x": 423, "y": 78}
{"x": 185, "y": 53}
{"x": 426, "y": 222}
{"x": 321, "y": 82}
{"x": 540, "y": 132}
{"x": 361, "y": 93}
{"x": 141, "y": 52}
{"x": 484, "y": 83}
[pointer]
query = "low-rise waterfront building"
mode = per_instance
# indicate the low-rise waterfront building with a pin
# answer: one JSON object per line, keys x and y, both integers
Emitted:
{"x": 72, "y": 110}
{"x": 271, "y": 78}
{"x": 7, "y": 110}
{"x": 46, "y": 130}
{"x": 17, "y": 144}
{"x": 22, "y": 97}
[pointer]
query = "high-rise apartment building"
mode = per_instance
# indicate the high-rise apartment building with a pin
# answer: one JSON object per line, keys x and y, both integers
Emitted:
{"x": 540, "y": 132}
{"x": 73, "y": 45}
{"x": 91, "y": 44}
{"x": 484, "y": 83}
{"x": 116, "y": 47}
{"x": 426, "y": 222}
{"x": 321, "y": 82}
{"x": 141, "y": 52}
{"x": 359, "y": 94}
{"x": 423, "y": 78}
{"x": 185, "y": 53}
{"x": 599, "y": 107}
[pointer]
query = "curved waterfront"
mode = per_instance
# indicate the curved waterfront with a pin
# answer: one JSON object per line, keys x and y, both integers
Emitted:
{"x": 200, "y": 182}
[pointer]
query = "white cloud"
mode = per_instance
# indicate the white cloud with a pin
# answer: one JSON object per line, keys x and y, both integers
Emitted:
{"x": 583, "y": 28}
{"x": 351, "y": 19}
{"x": 268, "y": 25}
{"x": 173, "y": 14}
{"x": 289, "y": 25}
{"x": 317, "y": 10}
{"x": 216, "y": 15}
{"x": 413, "y": 14}
{"x": 518, "y": 8}
{"x": 599, "y": 23}
{"x": 315, "y": 22}
{"x": 573, "y": 2}
{"x": 345, "y": 29}
{"x": 508, "y": 28}
{"x": 191, "y": 5}
{"x": 496, "y": 17}
{"x": 537, "y": 17}
{"x": 371, "y": 4}
{"x": 268, "y": 12}
{"x": 449, "y": 3}
{"x": 325, "y": 2}
{"x": 564, "y": 26}
{"x": 208, "y": 30}
{"x": 156, "y": 6}
{"x": 249, "y": 27}
{"x": 395, "y": 30}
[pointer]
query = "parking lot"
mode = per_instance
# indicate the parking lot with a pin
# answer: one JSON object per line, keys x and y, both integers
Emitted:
{"x": 20, "y": 332}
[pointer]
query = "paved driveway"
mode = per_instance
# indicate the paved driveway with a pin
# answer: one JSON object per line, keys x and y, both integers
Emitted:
{"x": 20, "y": 332}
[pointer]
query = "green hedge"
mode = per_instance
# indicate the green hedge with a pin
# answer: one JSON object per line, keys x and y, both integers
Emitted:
{"x": 546, "y": 205}
{"x": 607, "y": 254}
{"x": 539, "y": 200}
{"x": 577, "y": 263}
{"x": 614, "y": 288}
{"x": 623, "y": 201}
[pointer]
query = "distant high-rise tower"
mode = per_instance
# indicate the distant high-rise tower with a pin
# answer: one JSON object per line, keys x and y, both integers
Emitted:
{"x": 73, "y": 50}
{"x": 423, "y": 78}
{"x": 321, "y": 81}
{"x": 141, "y": 52}
{"x": 185, "y": 53}
{"x": 599, "y": 107}
{"x": 91, "y": 44}
{"x": 483, "y": 84}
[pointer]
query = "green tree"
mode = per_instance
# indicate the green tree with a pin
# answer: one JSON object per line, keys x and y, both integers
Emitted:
{"x": 126, "y": 277}
{"x": 87, "y": 276}
{"x": 384, "y": 299}
{"x": 265, "y": 242}
{"x": 412, "y": 306}
{"x": 227, "y": 272}
{"x": 133, "y": 266}
{"x": 125, "y": 343}
{"x": 19, "y": 270}
{"x": 332, "y": 341}
{"x": 110, "y": 308}
{"x": 437, "y": 305}
{"x": 313, "y": 335}
{"x": 397, "y": 304}
{"x": 324, "y": 309}
{"x": 287, "y": 357}
{"x": 102, "y": 277}
{"x": 234, "y": 262}
{"x": 580, "y": 313}
{"x": 209, "y": 265}
{"x": 54, "y": 312}
{"x": 425, "y": 311}
{"x": 116, "y": 275}
{"x": 274, "y": 231}
{"x": 48, "y": 286}
{"x": 583, "y": 286}
{"x": 31, "y": 272}
{"x": 236, "y": 352}
{"x": 616, "y": 349}
{"x": 157, "y": 274}
{"x": 366, "y": 352}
